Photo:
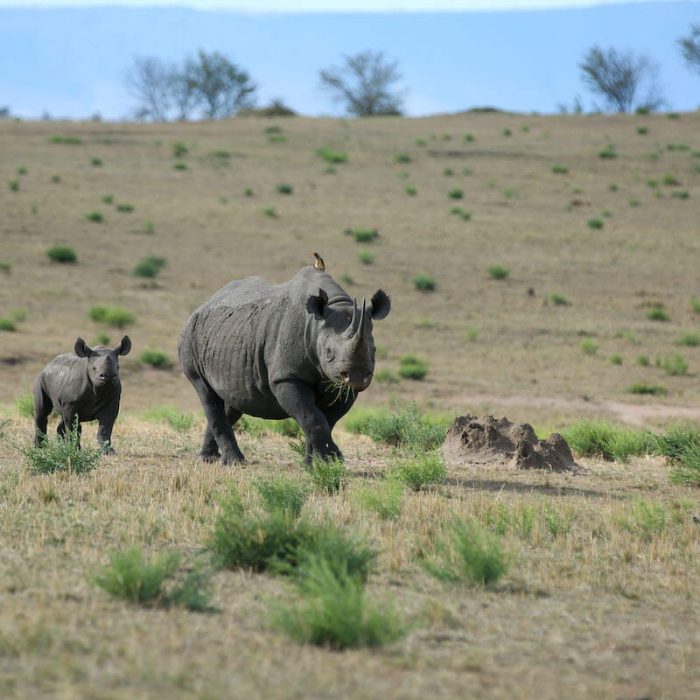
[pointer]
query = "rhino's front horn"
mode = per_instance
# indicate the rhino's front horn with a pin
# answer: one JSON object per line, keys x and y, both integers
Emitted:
{"x": 355, "y": 321}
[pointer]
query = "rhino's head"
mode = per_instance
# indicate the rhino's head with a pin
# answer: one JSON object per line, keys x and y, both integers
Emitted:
{"x": 102, "y": 362}
{"x": 344, "y": 342}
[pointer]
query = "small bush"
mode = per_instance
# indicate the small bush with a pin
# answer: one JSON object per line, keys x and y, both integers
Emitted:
{"x": 608, "y": 153}
{"x": 112, "y": 316}
{"x": 334, "y": 612}
{"x": 385, "y": 498}
{"x": 386, "y": 376}
{"x": 410, "y": 190}
{"x": 498, "y": 272}
{"x": 148, "y": 227}
{"x": 149, "y": 267}
{"x": 559, "y": 169}
{"x": 62, "y": 254}
{"x": 363, "y": 235}
{"x": 670, "y": 180}
{"x": 366, "y": 257}
{"x": 24, "y": 405}
{"x": 331, "y": 156}
{"x": 634, "y": 202}
{"x": 596, "y": 438}
{"x": 681, "y": 444}
{"x": 648, "y": 389}
{"x": 643, "y": 360}
{"x": 130, "y": 576}
{"x": 101, "y": 339}
{"x": 14, "y": 185}
{"x": 469, "y": 138}
{"x": 595, "y": 223}
{"x": 613, "y": 187}
{"x": 180, "y": 165}
{"x": 95, "y": 216}
{"x": 248, "y": 192}
{"x": 642, "y": 130}
{"x": 424, "y": 283}
{"x": 559, "y": 299}
{"x": 646, "y": 519}
{"x": 62, "y": 454}
{"x": 328, "y": 475}
{"x": 616, "y": 359}
{"x": 448, "y": 172}
{"x": 5, "y": 266}
{"x": 420, "y": 142}
{"x": 470, "y": 555}
{"x": 177, "y": 420}
{"x": 507, "y": 132}
{"x": 96, "y": 162}
{"x": 280, "y": 493}
{"x": 680, "y": 194}
{"x": 402, "y": 158}
{"x": 690, "y": 340}
{"x": 695, "y": 305}
{"x": 62, "y": 138}
{"x": 284, "y": 188}
{"x": 589, "y": 346}
{"x": 156, "y": 359}
{"x": 270, "y": 212}
{"x": 277, "y": 138}
{"x": 125, "y": 208}
{"x": 412, "y": 367}
{"x": 461, "y": 213}
{"x": 7, "y": 325}
{"x": 674, "y": 365}
{"x": 657, "y": 313}
{"x": 180, "y": 150}
{"x": 420, "y": 471}
{"x": 455, "y": 193}
{"x": 55, "y": 179}
{"x": 472, "y": 334}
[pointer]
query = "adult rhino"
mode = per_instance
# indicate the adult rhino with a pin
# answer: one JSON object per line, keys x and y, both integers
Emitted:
{"x": 302, "y": 349}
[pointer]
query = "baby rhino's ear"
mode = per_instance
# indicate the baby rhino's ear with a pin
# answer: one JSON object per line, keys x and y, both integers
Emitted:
{"x": 124, "y": 347}
{"x": 82, "y": 349}
{"x": 316, "y": 305}
{"x": 381, "y": 305}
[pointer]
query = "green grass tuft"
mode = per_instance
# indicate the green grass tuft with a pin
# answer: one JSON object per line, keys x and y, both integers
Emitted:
{"x": 647, "y": 389}
{"x": 424, "y": 283}
{"x": 156, "y": 359}
{"x": 385, "y": 498}
{"x": 62, "y": 254}
{"x": 419, "y": 471}
{"x": 597, "y": 438}
{"x": 412, "y": 367}
{"x": 95, "y": 216}
{"x": 282, "y": 494}
{"x": 328, "y": 475}
{"x": 332, "y": 156}
{"x": 112, "y": 316}
{"x": 177, "y": 420}
{"x": 149, "y": 267}
{"x": 62, "y": 454}
{"x": 498, "y": 272}
{"x": 366, "y": 257}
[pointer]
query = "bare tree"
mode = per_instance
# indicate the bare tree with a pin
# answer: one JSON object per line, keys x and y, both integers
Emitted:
{"x": 690, "y": 47}
{"x": 219, "y": 86}
{"x": 182, "y": 93}
{"x": 148, "y": 81}
{"x": 365, "y": 84}
{"x": 619, "y": 77}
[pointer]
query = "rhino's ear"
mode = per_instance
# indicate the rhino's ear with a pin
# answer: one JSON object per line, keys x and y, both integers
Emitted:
{"x": 124, "y": 347}
{"x": 316, "y": 305}
{"x": 381, "y": 305}
{"x": 82, "y": 349}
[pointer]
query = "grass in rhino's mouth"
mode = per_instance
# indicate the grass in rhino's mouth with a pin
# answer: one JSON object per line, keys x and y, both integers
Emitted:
{"x": 339, "y": 389}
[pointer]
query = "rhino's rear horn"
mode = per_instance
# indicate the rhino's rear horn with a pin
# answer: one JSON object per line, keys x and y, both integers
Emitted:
{"x": 355, "y": 320}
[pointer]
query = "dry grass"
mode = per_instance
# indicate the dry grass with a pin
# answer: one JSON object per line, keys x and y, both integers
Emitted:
{"x": 600, "y": 599}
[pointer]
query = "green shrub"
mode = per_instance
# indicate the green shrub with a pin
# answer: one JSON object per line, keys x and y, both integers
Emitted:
{"x": 635, "y": 202}
{"x": 24, "y": 405}
{"x": 686, "y": 467}
{"x": 498, "y": 272}
{"x": 455, "y": 193}
{"x": 695, "y": 305}
{"x": 131, "y": 577}
{"x": 108, "y": 199}
{"x": 149, "y": 267}
{"x": 674, "y": 365}
{"x": 410, "y": 190}
{"x": 589, "y": 346}
{"x": 156, "y": 358}
{"x": 613, "y": 187}
{"x": 680, "y": 194}
{"x": 385, "y": 498}
{"x": 180, "y": 165}
{"x": 470, "y": 555}
{"x": 95, "y": 216}
{"x": 559, "y": 299}
{"x": 616, "y": 359}
{"x": 642, "y": 130}
{"x": 270, "y": 212}
{"x": 334, "y": 612}
{"x": 597, "y": 438}
{"x": 424, "y": 283}
{"x": 277, "y": 138}
{"x": 643, "y": 360}
{"x": 420, "y": 471}
{"x": 405, "y": 427}
{"x": 595, "y": 223}
{"x": 677, "y": 439}
{"x": 248, "y": 192}
{"x": 96, "y": 162}
{"x": 386, "y": 376}
{"x": 461, "y": 213}
{"x": 284, "y": 188}
{"x": 657, "y": 313}
{"x": 328, "y": 475}
{"x": 690, "y": 340}
{"x": 125, "y": 208}
{"x": 507, "y": 132}
{"x": 608, "y": 152}
{"x": 62, "y": 254}
{"x": 7, "y": 325}
{"x": 363, "y": 235}
{"x": 62, "y": 138}
{"x": 177, "y": 420}
{"x": 366, "y": 257}
{"x": 670, "y": 180}
{"x": 112, "y": 316}
{"x": 646, "y": 519}
{"x": 148, "y": 227}
{"x": 331, "y": 156}
{"x": 472, "y": 334}
{"x": 55, "y": 179}
{"x": 402, "y": 158}
{"x": 275, "y": 129}
{"x": 101, "y": 339}
{"x": 448, "y": 172}
{"x": 469, "y": 138}
{"x": 62, "y": 454}
{"x": 14, "y": 185}
{"x": 559, "y": 169}
{"x": 283, "y": 494}
{"x": 649, "y": 389}
{"x": 421, "y": 142}
{"x": 5, "y": 266}
{"x": 180, "y": 150}
{"x": 412, "y": 367}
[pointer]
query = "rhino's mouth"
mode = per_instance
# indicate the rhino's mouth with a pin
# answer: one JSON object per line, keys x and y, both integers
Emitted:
{"x": 339, "y": 389}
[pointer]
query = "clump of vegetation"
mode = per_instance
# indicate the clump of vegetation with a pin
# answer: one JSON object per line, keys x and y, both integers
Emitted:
{"x": 283, "y": 494}
{"x": 180, "y": 165}
{"x": 248, "y": 192}
{"x": 559, "y": 169}
{"x": 5, "y": 266}
{"x": 461, "y": 213}
{"x": 657, "y": 313}
{"x": 385, "y": 498}
{"x": 680, "y": 443}
{"x": 448, "y": 172}
{"x": 7, "y": 325}
{"x": 595, "y": 223}
{"x": 24, "y": 405}
{"x": 455, "y": 193}
{"x": 608, "y": 153}
{"x": 328, "y": 475}
{"x": 616, "y": 359}
{"x": 180, "y": 150}
{"x": 424, "y": 283}
{"x": 155, "y": 582}
{"x": 469, "y": 138}
{"x": 64, "y": 139}
{"x": 498, "y": 272}
{"x": 332, "y": 156}
{"x": 284, "y": 188}
{"x": 675, "y": 364}
{"x": 648, "y": 389}
{"x": 96, "y": 162}
{"x": 148, "y": 227}
{"x": 366, "y": 257}
{"x": 125, "y": 208}
{"x": 14, "y": 185}
{"x": 469, "y": 555}
{"x": 402, "y": 158}
{"x": 670, "y": 180}
{"x": 680, "y": 194}
{"x": 149, "y": 267}
{"x": 559, "y": 299}
{"x": 362, "y": 235}
{"x": 55, "y": 179}
{"x": 156, "y": 359}
{"x": 270, "y": 212}
{"x": 646, "y": 519}
{"x": 690, "y": 340}
{"x": 62, "y": 254}
{"x": 410, "y": 190}
{"x": 412, "y": 367}
{"x": 597, "y": 438}
{"x": 177, "y": 420}
{"x": 507, "y": 132}
{"x": 108, "y": 199}
{"x": 642, "y": 130}
{"x": 472, "y": 334}
{"x": 589, "y": 346}
{"x": 419, "y": 471}
{"x": 95, "y": 216}
{"x": 405, "y": 427}
{"x": 695, "y": 305}
{"x": 62, "y": 453}
{"x": 112, "y": 316}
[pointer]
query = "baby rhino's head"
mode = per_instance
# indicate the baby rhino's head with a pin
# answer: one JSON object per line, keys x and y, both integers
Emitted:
{"x": 102, "y": 362}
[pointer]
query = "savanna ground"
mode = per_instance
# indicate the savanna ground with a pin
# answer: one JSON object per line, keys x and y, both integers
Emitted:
{"x": 600, "y": 599}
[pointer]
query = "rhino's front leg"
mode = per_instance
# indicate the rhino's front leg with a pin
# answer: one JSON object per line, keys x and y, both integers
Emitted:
{"x": 104, "y": 431}
{"x": 299, "y": 401}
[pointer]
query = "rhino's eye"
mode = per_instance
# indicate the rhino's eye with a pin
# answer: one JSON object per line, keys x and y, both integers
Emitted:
{"x": 329, "y": 353}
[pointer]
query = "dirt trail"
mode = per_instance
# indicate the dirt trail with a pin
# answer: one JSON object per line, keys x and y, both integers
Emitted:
{"x": 633, "y": 414}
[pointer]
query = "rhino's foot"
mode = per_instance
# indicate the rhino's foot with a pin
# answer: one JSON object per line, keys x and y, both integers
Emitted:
{"x": 108, "y": 450}
{"x": 232, "y": 459}
{"x": 208, "y": 456}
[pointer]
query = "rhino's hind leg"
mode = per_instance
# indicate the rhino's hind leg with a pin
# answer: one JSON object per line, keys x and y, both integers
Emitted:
{"x": 42, "y": 410}
{"x": 210, "y": 450}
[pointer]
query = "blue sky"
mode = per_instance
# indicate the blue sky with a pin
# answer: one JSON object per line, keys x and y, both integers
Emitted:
{"x": 72, "y": 62}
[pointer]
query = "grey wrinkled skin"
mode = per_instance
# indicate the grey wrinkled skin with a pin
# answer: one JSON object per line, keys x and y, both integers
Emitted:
{"x": 83, "y": 384}
{"x": 272, "y": 350}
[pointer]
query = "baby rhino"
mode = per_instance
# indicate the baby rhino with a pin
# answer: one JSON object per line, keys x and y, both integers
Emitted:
{"x": 84, "y": 385}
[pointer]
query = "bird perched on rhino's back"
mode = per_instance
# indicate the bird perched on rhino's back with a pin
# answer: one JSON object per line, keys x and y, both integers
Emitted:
{"x": 302, "y": 349}
{"x": 82, "y": 385}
